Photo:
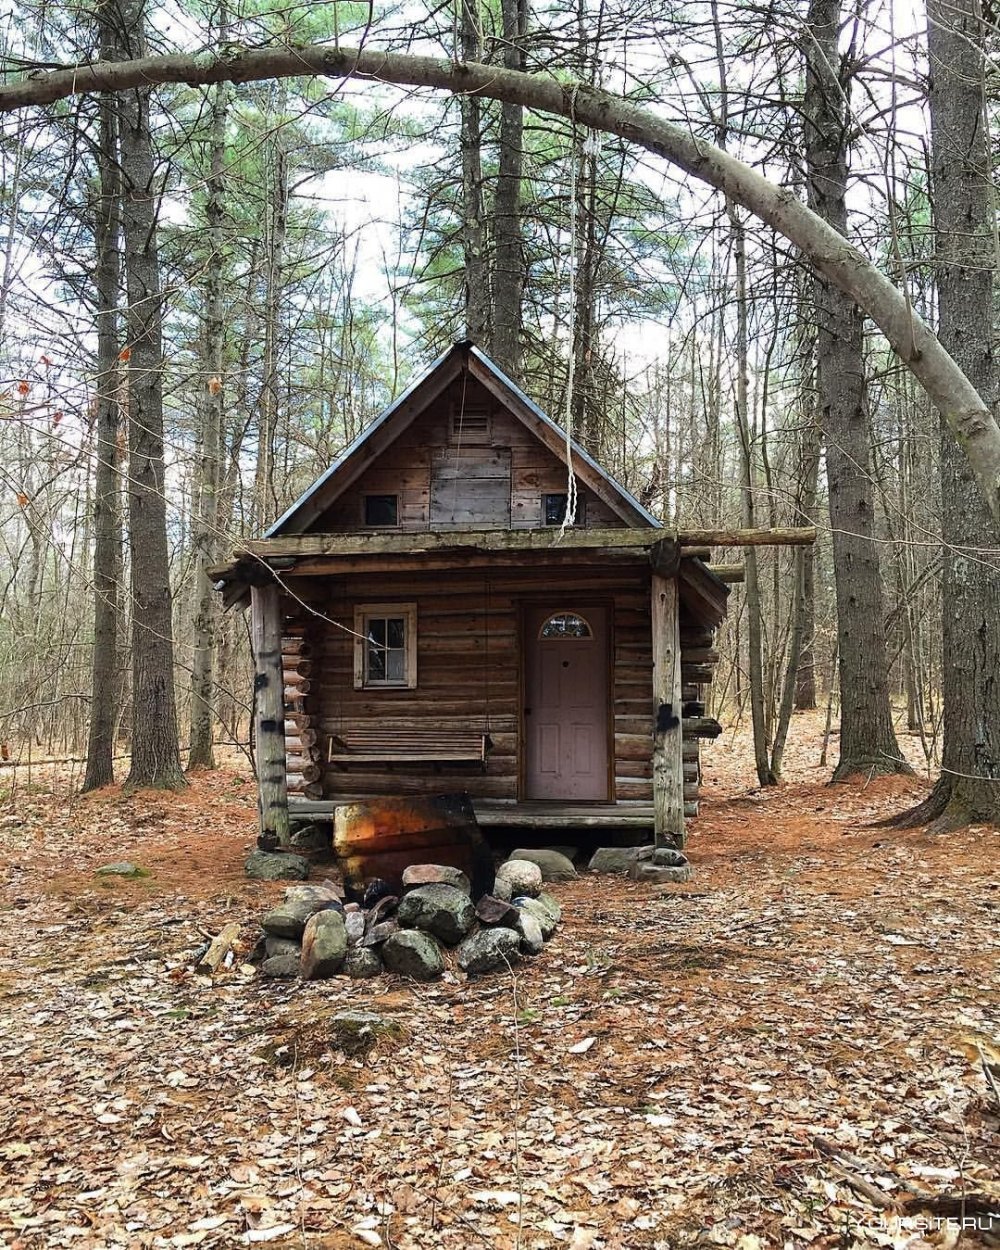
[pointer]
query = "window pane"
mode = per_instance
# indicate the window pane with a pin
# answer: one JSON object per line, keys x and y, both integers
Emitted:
{"x": 555, "y": 509}
{"x": 396, "y": 631}
{"x": 395, "y": 665}
{"x": 376, "y": 664}
{"x": 376, "y": 630}
{"x": 381, "y": 509}
{"x": 565, "y": 625}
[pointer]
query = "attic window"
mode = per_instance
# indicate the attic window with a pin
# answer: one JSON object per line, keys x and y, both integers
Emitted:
{"x": 554, "y": 509}
{"x": 470, "y": 423}
{"x": 382, "y": 510}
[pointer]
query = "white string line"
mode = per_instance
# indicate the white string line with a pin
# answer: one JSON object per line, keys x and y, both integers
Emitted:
{"x": 569, "y": 515}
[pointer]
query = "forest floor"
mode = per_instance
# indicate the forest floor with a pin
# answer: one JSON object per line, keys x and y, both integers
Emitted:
{"x": 658, "y": 1077}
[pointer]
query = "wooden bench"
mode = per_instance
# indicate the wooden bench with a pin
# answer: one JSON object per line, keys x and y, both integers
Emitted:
{"x": 388, "y": 745}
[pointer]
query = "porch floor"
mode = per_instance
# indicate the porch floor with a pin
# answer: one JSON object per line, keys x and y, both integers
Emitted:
{"x": 492, "y": 814}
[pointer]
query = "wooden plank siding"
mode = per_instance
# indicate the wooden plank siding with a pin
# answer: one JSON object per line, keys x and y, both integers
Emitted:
{"x": 424, "y": 468}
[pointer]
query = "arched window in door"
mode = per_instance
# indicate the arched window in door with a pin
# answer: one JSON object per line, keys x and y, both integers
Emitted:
{"x": 565, "y": 625}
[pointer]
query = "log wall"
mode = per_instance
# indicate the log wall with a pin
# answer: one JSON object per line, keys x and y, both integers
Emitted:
{"x": 469, "y": 677}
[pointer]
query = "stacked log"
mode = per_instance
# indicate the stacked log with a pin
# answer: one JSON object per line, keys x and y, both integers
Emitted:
{"x": 698, "y": 662}
{"x": 303, "y": 757}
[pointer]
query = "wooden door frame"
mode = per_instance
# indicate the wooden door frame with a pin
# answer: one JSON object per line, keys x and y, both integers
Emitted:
{"x": 526, "y": 602}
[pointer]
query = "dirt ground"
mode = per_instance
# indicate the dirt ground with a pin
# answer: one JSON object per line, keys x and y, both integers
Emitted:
{"x": 785, "y": 1052}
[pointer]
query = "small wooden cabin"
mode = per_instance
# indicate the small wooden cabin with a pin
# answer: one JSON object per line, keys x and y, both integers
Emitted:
{"x": 424, "y": 622}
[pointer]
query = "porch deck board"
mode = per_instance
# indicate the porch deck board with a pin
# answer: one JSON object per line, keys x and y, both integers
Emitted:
{"x": 525, "y": 815}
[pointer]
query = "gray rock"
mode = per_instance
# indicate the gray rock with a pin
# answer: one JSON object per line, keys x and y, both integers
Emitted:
{"x": 554, "y": 865}
{"x": 503, "y": 890}
{"x": 435, "y": 874}
{"x": 413, "y": 953}
{"x": 489, "y": 950}
{"x": 121, "y": 868}
{"x": 380, "y": 933}
{"x": 288, "y": 919}
{"x": 283, "y": 966}
{"x": 354, "y": 922}
{"x": 442, "y": 910}
{"x": 654, "y": 874}
{"x": 616, "y": 858}
{"x": 281, "y": 946}
{"x": 521, "y": 875}
{"x": 551, "y": 905}
{"x": 319, "y": 892}
{"x": 570, "y": 852}
{"x": 545, "y": 910}
{"x": 324, "y": 945}
{"x": 356, "y": 1032}
{"x": 276, "y": 866}
{"x": 310, "y": 838}
{"x": 532, "y": 937}
{"x": 362, "y": 962}
{"x": 664, "y": 856}
{"x": 496, "y": 911}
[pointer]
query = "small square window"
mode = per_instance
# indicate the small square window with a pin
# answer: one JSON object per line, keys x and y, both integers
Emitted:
{"x": 385, "y": 652}
{"x": 554, "y": 507}
{"x": 381, "y": 510}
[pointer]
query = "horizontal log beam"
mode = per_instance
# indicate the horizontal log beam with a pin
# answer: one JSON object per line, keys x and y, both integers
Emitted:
{"x": 426, "y": 542}
{"x": 794, "y": 536}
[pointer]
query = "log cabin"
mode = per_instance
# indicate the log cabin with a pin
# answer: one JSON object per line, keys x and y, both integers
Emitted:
{"x": 466, "y": 601}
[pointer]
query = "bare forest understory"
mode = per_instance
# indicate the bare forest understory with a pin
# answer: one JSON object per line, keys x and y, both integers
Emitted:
{"x": 658, "y": 1077}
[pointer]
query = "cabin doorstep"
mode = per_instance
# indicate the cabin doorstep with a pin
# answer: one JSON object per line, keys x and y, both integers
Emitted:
{"x": 433, "y": 625}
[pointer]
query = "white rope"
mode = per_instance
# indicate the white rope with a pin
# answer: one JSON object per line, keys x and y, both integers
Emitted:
{"x": 569, "y": 517}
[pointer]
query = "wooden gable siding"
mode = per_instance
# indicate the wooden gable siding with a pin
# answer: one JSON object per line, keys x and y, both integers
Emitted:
{"x": 463, "y": 670}
{"x": 445, "y": 480}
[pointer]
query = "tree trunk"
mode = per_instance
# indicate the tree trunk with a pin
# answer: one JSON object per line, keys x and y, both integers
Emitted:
{"x": 155, "y": 755}
{"x": 748, "y": 499}
{"x": 477, "y": 293}
{"x": 805, "y": 677}
{"x": 508, "y": 277}
{"x": 206, "y": 544}
{"x": 107, "y": 569}
{"x": 265, "y": 494}
{"x": 802, "y": 611}
{"x": 867, "y": 738}
{"x": 964, "y": 223}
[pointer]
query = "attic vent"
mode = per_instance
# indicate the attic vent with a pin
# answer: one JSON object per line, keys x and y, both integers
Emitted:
{"x": 470, "y": 424}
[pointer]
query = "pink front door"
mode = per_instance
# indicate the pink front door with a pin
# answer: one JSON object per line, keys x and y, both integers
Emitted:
{"x": 566, "y": 703}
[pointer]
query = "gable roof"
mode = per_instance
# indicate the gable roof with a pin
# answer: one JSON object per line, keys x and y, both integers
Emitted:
{"x": 385, "y": 429}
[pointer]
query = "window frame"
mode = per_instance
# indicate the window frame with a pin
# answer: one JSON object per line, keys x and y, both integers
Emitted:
{"x": 380, "y": 494}
{"x": 581, "y": 507}
{"x": 367, "y": 612}
{"x": 587, "y": 637}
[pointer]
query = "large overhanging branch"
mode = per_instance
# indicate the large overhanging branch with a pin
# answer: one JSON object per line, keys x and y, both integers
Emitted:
{"x": 832, "y": 255}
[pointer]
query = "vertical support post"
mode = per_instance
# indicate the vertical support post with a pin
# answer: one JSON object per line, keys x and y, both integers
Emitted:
{"x": 269, "y": 715}
{"x": 668, "y": 745}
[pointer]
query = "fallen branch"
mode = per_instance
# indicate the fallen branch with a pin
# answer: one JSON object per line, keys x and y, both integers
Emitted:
{"x": 218, "y": 949}
{"x": 877, "y": 1197}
